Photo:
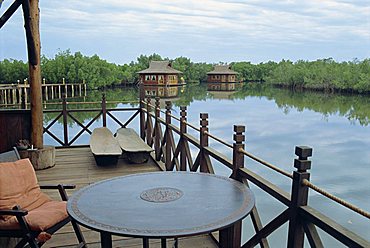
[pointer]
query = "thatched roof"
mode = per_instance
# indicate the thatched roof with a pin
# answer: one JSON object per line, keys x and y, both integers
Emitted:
{"x": 222, "y": 69}
{"x": 156, "y": 67}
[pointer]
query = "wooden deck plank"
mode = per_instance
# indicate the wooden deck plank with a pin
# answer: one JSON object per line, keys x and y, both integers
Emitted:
{"x": 77, "y": 166}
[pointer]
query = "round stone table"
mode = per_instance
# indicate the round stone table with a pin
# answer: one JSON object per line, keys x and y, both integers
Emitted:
{"x": 160, "y": 205}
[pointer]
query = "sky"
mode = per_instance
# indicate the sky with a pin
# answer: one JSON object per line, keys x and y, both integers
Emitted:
{"x": 209, "y": 31}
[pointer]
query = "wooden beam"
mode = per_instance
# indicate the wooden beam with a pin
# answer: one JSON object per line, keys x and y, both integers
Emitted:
{"x": 312, "y": 235}
{"x": 337, "y": 231}
{"x": 31, "y": 25}
{"x": 9, "y": 12}
{"x": 268, "y": 229}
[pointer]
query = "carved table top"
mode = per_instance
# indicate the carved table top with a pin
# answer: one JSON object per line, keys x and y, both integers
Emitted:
{"x": 161, "y": 204}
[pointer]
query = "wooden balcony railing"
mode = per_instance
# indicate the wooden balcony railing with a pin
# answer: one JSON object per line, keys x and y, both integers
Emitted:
{"x": 66, "y": 115}
{"x": 303, "y": 220}
{"x": 172, "y": 151}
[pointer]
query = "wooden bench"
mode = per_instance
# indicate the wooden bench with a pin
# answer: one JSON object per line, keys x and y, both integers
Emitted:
{"x": 133, "y": 146}
{"x": 104, "y": 146}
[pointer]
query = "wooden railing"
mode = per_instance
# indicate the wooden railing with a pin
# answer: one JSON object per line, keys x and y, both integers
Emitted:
{"x": 66, "y": 115}
{"x": 302, "y": 219}
{"x": 158, "y": 130}
{"x": 18, "y": 94}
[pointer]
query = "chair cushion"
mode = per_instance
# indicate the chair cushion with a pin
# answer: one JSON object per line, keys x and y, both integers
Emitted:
{"x": 19, "y": 186}
{"x": 41, "y": 218}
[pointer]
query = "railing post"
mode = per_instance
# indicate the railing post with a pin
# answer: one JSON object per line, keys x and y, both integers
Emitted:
{"x": 23, "y": 100}
{"x": 203, "y": 140}
{"x": 65, "y": 122}
{"x": 157, "y": 138}
{"x": 168, "y": 138}
{"x": 183, "y": 130}
{"x": 238, "y": 157}
{"x": 141, "y": 106}
{"x": 231, "y": 236}
{"x": 149, "y": 137}
{"x": 299, "y": 196}
{"x": 104, "y": 110}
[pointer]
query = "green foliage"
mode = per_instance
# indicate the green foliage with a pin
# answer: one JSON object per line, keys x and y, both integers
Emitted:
{"x": 250, "y": 72}
{"x": 13, "y": 70}
{"x": 78, "y": 68}
{"x": 323, "y": 74}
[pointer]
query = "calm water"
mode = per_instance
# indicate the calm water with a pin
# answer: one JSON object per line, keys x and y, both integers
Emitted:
{"x": 337, "y": 127}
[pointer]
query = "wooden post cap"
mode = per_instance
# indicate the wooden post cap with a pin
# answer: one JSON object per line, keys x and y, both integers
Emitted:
{"x": 239, "y": 128}
{"x": 183, "y": 111}
{"x": 204, "y": 119}
{"x": 302, "y": 163}
{"x": 239, "y": 138}
{"x": 203, "y": 115}
{"x": 303, "y": 152}
{"x": 168, "y": 105}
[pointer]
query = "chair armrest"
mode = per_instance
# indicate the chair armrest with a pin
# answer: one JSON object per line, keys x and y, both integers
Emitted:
{"x": 14, "y": 212}
{"x": 62, "y": 189}
{"x": 65, "y": 186}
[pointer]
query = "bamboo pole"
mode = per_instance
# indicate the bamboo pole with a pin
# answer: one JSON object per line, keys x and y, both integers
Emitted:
{"x": 31, "y": 25}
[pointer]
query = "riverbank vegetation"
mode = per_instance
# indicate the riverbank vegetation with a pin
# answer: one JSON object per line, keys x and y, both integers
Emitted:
{"x": 355, "y": 108}
{"x": 324, "y": 74}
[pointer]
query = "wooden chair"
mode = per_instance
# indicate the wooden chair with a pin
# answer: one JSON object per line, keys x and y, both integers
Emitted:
{"x": 27, "y": 213}
{"x": 10, "y": 156}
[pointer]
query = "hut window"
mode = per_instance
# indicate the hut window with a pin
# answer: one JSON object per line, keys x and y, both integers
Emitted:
{"x": 153, "y": 77}
{"x": 147, "y": 77}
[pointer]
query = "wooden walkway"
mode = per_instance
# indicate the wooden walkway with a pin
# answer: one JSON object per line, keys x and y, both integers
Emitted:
{"x": 77, "y": 166}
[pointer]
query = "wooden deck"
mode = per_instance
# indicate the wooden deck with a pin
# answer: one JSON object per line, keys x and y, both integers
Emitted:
{"x": 77, "y": 166}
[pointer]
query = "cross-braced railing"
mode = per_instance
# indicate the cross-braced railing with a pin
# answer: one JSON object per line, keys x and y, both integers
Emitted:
{"x": 176, "y": 149}
{"x": 303, "y": 220}
{"x": 66, "y": 115}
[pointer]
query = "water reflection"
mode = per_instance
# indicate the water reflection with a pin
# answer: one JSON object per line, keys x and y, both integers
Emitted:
{"x": 355, "y": 108}
{"x": 162, "y": 91}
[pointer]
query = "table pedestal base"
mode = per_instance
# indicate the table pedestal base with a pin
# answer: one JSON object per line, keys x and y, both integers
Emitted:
{"x": 105, "y": 240}
{"x": 230, "y": 237}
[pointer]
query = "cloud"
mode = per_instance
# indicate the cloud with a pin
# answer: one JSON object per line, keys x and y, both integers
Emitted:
{"x": 271, "y": 20}
{"x": 230, "y": 26}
